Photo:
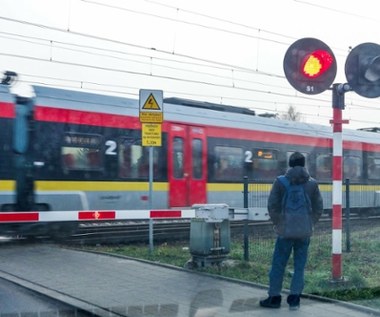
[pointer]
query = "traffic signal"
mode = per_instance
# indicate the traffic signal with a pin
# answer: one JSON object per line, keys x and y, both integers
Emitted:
{"x": 310, "y": 66}
{"x": 363, "y": 70}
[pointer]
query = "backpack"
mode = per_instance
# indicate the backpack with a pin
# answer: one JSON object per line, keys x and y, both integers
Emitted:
{"x": 296, "y": 211}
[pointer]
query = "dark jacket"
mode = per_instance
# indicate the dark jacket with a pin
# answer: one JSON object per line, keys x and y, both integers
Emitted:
{"x": 296, "y": 175}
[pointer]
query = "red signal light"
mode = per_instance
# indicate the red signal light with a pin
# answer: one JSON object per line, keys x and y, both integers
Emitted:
{"x": 310, "y": 66}
{"x": 316, "y": 63}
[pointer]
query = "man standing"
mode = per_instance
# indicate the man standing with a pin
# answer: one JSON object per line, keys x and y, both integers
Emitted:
{"x": 296, "y": 174}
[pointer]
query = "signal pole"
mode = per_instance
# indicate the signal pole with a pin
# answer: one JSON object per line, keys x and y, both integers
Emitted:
{"x": 338, "y": 105}
{"x": 310, "y": 67}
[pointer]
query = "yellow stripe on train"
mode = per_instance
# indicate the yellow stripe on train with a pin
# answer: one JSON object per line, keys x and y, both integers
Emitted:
{"x": 99, "y": 186}
{"x": 9, "y": 185}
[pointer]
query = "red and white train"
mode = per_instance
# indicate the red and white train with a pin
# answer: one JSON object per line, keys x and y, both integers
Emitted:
{"x": 70, "y": 150}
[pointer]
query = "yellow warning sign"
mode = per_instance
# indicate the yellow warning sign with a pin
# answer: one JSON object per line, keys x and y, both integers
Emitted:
{"x": 151, "y": 117}
{"x": 151, "y": 134}
{"x": 151, "y": 104}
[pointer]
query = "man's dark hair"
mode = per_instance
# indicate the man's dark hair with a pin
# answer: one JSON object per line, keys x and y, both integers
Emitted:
{"x": 296, "y": 159}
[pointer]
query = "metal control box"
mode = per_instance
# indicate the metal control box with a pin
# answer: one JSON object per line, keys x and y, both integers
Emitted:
{"x": 207, "y": 238}
{"x": 212, "y": 212}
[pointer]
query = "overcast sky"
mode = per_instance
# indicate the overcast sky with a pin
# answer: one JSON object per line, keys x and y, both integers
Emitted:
{"x": 221, "y": 51}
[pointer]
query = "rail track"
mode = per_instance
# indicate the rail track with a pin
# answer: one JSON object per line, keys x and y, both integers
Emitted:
{"x": 134, "y": 232}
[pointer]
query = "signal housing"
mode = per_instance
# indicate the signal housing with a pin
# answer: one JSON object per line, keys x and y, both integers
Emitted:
{"x": 310, "y": 66}
{"x": 363, "y": 70}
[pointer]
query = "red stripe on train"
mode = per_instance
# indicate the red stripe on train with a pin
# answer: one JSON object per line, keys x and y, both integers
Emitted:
{"x": 7, "y": 110}
{"x": 86, "y": 117}
{"x": 44, "y": 113}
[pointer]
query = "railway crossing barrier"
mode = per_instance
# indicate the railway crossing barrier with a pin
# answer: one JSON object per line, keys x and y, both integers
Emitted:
{"x": 9, "y": 217}
{"x": 209, "y": 224}
{"x": 91, "y": 215}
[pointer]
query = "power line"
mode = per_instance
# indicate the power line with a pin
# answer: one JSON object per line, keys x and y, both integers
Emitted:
{"x": 89, "y": 36}
{"x": 210, "y": 27}
{"x": 117, "y": 70}
{"x": 340, "y": 11}
{"x": 197, "y": 61}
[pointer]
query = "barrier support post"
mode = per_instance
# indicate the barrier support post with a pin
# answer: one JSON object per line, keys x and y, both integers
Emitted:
{"x": 337, "y": 163}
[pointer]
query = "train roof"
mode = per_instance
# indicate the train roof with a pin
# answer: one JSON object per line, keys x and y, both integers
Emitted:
{"x": 371, "y": 129}
{"x": 5, "y": 94}
{"x": 209, "y": 105}
{"x": 192, "y": 112}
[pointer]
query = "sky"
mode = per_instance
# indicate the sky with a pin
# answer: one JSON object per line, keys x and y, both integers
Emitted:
{"x": 220, "y": 51}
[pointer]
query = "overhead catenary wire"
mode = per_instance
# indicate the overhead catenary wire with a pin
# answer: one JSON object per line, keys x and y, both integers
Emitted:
{"x": 158, "y": 59}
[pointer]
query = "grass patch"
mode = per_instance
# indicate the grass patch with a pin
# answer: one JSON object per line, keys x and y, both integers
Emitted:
{"x": 361, "y": 266}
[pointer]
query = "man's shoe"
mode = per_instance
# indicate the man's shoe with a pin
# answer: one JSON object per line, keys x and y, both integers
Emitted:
{"x": 293, "y": 301}
{"x": 271, "y": 302}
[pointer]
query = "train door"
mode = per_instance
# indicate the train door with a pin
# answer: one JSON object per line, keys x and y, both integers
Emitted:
{"x": 7, "y": 118}
{"x": 187, "y": 166}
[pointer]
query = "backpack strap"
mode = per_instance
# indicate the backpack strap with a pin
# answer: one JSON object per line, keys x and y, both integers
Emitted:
{"x": 284, "y": 181}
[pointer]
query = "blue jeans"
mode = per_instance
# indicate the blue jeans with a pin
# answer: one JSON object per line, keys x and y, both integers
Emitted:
{"x": 283, "y": 249}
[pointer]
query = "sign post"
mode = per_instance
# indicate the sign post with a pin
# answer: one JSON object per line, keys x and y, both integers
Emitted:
{"x": 151, "y": 117}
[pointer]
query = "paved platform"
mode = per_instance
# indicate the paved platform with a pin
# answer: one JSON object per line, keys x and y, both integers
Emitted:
{"x": 116, "y": 286}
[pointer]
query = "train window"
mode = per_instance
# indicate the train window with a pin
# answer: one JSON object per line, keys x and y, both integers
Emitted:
{"x": 265, "y": 164}
{"x": 178, "y": 152}
{"x": 81, "y": 152}
{"x": 323, "y": 166}
{"x": 352, "y": 167}
{"x": 129, "y": 158}
{"x": 197, "y": 158}
{"x": 143, "y": 163}
{"x": 373, "y": 167}
{"x": 134, "y": 160}
{"x": 228, "y": 164}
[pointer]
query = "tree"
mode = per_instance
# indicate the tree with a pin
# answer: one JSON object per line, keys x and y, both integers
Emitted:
{"x": 292, "y": 114}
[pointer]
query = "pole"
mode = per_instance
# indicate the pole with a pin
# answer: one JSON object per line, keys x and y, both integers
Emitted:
{"x": 151, "y": 247}
{"x": 338, "y": 105}
{"x": 348, "y": 226}
{"x": 246, "y": 240}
